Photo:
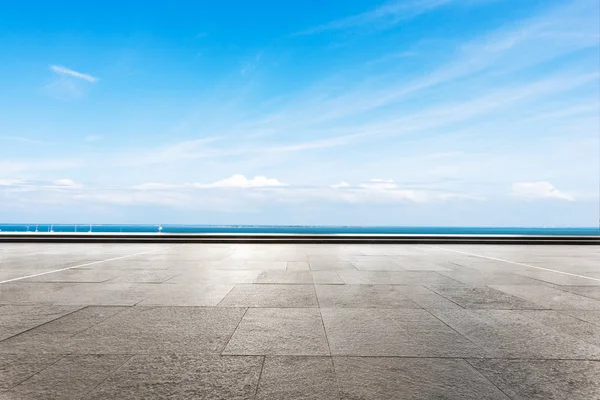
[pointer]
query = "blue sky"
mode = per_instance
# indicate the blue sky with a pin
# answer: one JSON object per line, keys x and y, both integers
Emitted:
{"x": 415, "y": 112}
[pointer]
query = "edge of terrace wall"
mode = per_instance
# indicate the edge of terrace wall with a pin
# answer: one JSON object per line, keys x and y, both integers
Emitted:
{"x": 6, "y": 237}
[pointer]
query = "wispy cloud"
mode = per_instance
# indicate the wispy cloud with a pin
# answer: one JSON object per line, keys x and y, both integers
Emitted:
{"x": 92, "y": 138}
{"x": 66, "y": 183}
{"x": 387, "y": 191}
{"x": 240, "y": 181}
{"x": 434, "y": 124}
{"x": 387, "y": 14}
{"x": 69, "y": 72}
{"x": 9, "y": 168}
{"x": 539, "y": 190}
{"x": 236, "y": 181}
{"x": 21, "y": 139}
{"x": 342, "y": 184}
{"x": 485, "y": 72}
{"x": 256, "y": 192}
{"x": 68, "y": 84}
{"x": 11, "y": 182}
{"x": 513, "y": 47}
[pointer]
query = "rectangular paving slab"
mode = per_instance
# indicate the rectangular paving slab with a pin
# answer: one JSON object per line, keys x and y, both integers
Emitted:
{"x": 70, "y": 378}
{"x": 247, "y": 321}
{"x": 364, "y": 296}
{"x": 411, "y": 378}
{"x": 308, "y": 378}
{"x": 543, "y": 379}
{"x": 285, "y": 277}
{"x": 160, "y": 330}
{"x": 18, "y": 319}
{"x": 17, "y": 368}
{"x": 277, "y": 331}
{"x": 483, "y": 298}
{"x": 186, "y": 294}
{"x": 182, "y": 377}
{"x": 270, "y": 296}
{"x": 393, "y": 332}
{"x": 550, "y": 298}
{"x": 396, "y": 278}
{"x": 505, "y": 333}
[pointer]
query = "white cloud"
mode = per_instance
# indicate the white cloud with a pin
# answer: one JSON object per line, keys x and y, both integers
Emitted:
{"x": 69, "y": 72}
{"x": 92, "y": 138}
{"x": 539, "y": 190}
{"x": 153, "y": 186}
{"x": 240, "y": 181}
{"x": 8, "y": 168}
{"x": 11, "y": 182}
{"x": 21, "y": 139}
{"x": 388, "y": 191}
{"x": 389, "y": 13}
{"x": 342, "y": 184}
{"x": 269, "y": 192}
{"x": 379, "y": 184}
{"x": 67, "y": 184}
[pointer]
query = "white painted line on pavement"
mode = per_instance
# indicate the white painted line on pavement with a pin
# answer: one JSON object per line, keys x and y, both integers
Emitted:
{"x": 87, "y": 264}
{"x": 513, "y": 262}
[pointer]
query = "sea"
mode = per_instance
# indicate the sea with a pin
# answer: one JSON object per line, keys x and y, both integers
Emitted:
{"x": 299, "y": 229}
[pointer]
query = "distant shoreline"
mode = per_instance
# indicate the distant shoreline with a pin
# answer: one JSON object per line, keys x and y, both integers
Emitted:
{"x": 292, "y": 230}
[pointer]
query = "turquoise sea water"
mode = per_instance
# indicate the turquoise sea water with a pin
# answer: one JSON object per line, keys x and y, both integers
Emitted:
{"x": 412, "y": 230}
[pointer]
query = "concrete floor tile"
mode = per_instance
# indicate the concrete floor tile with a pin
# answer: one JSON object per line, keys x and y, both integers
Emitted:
{"x": 77, "y": 276}
{"x": 557, "y": 278}
{"x": 54, "y": 336}
{"x": 70, "y": 378}
{"x": 215, "y": 276}
{"x": 474, "y": 277}
{"x": 285, "y": 277}
{"x": 374, "y": 258}
{"x": 292, "y": 257}
{"x": 483, "y": 298}
{"x": 17, "y": 368}
{"x": 376, "y": 266}
{"x": 509, "y": 334}
{"x": 428, "y": 299}
{"x": 79, "y": 320}
{"x": 363, "y": 296}
{"x": 298, "y": 266}
{"x": 276, "y": 331}
{"x": 330, "y": 258}
{"x": 592, "y": 317}
{"x": 200, "y": 295}
{"x": 396, "y": 278}
{"x": 270, "y": 296}
{"x": 103, "y": 294}
{"x": 182, "y": 377}
{"x": 543, "y": 379}
{"x": 146, "y": 277}
{"x": 566, "y": 324}
{"x": 593, "y": 292}
{"x": 263, "y": 265}
{"x": 423, "y": 266}
{"x": 326, "y": 278}
{"x": 293, "y": 377}
{"x": 550, "y": 298}
{"x": 29, "y": 293}
{"x": 331, "y": 265}
{"x": 393, "y": 332}
{"x": 177, "y": 350}
{"x": 410, "y": 378}
{"x": 160, "y": 330}
{"x": 17, "y": 319}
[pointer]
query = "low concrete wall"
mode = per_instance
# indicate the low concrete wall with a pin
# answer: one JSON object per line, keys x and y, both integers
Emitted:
{"x": 293, "y": 238}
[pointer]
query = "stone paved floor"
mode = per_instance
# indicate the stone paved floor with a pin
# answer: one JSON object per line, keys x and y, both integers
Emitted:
{"x": 240, "y": 321}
